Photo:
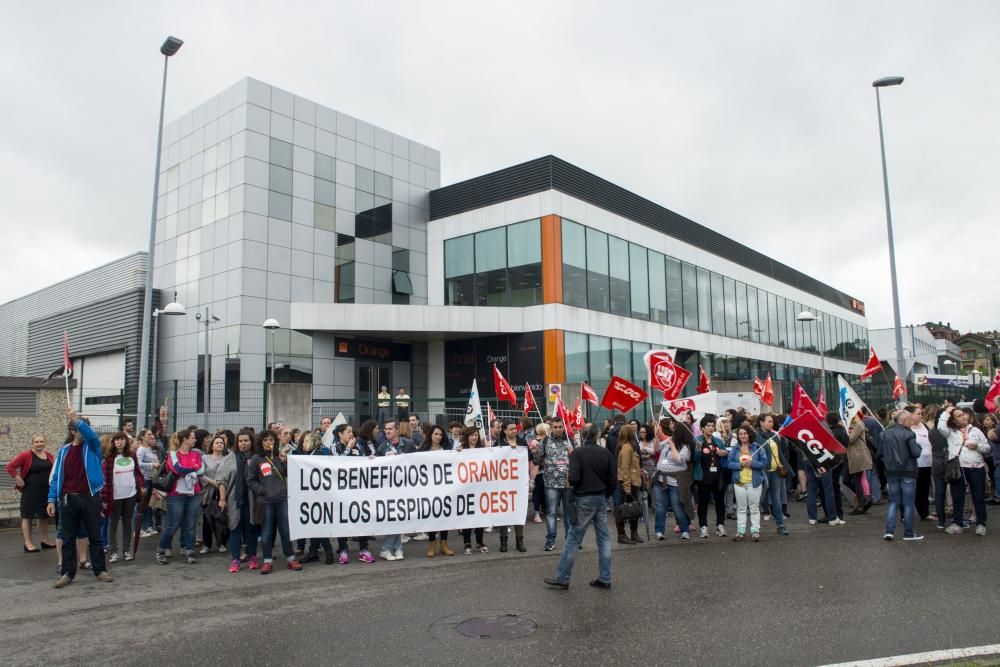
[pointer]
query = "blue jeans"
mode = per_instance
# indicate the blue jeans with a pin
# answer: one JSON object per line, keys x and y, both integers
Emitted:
{"x": 553, "y": 497}
{"x": 589, "y": 509}
{"x": 244, "y": 533}
{"x": 392, "y": 543}
{"x": 975, "y": 478}
{"x": 664, "y": 497}
{"x": 874, "y": 484}
{"x": 775, "y": 486}
{"x": 275, "y": 516}
{"x": 815, "y": 482}
{"x": 902, "y": 491}
{"x": 182, "y": 513}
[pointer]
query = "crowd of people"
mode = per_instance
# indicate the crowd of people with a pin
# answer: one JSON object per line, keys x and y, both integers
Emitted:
{"x": 227, "y": 492}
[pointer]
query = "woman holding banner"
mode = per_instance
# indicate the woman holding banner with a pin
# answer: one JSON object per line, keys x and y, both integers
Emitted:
{"x": 510, "y": 438}
{"x": 673, "y": 478}
{"x": 470, "y": 439}
{"x": 435, "y": 440}
{"x": 268, "y": 479}
{"x": 312, "y": 445}
{"x": 348, "y": 445}
{"x": 747, "y": 461}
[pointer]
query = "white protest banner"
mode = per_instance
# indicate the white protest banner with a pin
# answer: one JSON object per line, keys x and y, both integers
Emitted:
{"x": 342, "y": 496}
{"x": 700, "y": 405}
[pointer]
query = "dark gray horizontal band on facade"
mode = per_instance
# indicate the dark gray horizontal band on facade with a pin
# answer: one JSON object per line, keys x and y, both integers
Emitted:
{"x": 551, "y": 173}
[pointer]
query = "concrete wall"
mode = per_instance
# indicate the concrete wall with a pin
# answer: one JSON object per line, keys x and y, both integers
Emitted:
{"x": 290, "y": 404}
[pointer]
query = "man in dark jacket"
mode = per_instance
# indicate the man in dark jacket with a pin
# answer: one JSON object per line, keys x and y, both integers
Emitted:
{"x": 593, "y": 477}
{"x": 899, "y": 452}
{"x": 876, "y": 476}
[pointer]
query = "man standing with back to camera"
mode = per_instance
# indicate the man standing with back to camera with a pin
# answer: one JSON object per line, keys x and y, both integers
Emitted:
{"x": 593, "y": 478}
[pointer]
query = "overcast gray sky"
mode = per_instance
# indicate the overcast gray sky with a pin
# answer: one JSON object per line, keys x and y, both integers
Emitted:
{"x": 757, "y": 119}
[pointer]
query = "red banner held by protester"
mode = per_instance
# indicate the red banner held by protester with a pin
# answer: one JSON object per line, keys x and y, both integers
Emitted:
{"x": 898, "y": 389}
{"x": 529, "y": 399}
{"x": 994, "y": 393}
{"x": 815, "y": 441}
{"x": 568, "y": 420}
{"x": 801, "y": 404}
{"x": 664, "y": 374}
{"x": 872, "y": 367}
{"x": 622, "y": 395}
{"x": 821, "y": 405}
{"x": 589, "y": 394}
{"x": 504, "y": 391}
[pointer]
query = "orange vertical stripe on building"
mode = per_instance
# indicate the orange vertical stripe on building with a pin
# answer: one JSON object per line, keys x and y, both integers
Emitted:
{"x": 552, "y": 284}
{"x": 555, "y": 356}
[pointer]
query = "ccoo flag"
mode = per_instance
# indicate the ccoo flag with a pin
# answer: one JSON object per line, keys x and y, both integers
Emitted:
{"x": 504, "y": 391}
{"x": 589, "y": 394}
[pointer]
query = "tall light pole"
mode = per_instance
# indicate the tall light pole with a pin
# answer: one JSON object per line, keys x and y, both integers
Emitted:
{"x": 271, "y": 325}
{"x": 882, "y": 83}
{"x": 172, "y": 308}
{"x": 209, "y": 321}
{"x": 806, "y": 316}
{"x": 169, "y": 47}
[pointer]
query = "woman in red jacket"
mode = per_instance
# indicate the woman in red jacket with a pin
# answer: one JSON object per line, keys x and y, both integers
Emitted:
{"x": 123, "y": 488}
{"x": 30, "y": 470}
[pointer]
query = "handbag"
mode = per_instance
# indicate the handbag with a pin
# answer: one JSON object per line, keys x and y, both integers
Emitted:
{"x": 953, "y": 468}
{"x": 630, "y": 509}
{"x": 165, "y": 480}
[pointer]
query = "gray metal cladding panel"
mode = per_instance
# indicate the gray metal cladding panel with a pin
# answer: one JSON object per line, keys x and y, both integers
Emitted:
{"x": 19, "y": 403}
{"x": 551, "y": 173}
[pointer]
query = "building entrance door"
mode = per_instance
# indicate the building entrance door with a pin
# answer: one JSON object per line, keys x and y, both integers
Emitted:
{"x": 371, "y": 377}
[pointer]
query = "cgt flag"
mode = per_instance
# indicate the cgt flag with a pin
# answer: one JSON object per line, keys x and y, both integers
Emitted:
{"x": 872, "y": 367}
{"x": 815, "y": 441}
{"x": 589, "y": 394}
{"x": 504, "y": 391}
{"x": 622, "y": 395}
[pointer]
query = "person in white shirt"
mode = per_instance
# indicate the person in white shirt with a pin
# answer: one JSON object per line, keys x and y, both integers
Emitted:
{"x": 919, "y": 428}
{"x": 968, "y": 443}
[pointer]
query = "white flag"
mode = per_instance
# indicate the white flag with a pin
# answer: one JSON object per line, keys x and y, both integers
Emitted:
{"x": 474, "y": 411}
{"x": 700, "y": 405}
{"x": 850, "y": 402}
{"x": 328, "y": 435}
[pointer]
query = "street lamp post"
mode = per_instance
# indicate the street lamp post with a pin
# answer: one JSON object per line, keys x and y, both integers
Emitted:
{"x": 882, "y": 83}
{"x": 271, "y": 325}
{"x": 172, "y": 308}
{"x": 806, "y": 316}
{"x": 169, "y": 47}
{"x": 209, "y": 321}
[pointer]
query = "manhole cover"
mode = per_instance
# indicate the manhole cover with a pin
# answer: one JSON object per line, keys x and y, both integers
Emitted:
{"x": 498, "y": 626}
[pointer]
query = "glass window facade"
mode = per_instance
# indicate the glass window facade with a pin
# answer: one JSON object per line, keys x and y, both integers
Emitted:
{"x": 574, "y": 257}
{"x": 495, "y": 267}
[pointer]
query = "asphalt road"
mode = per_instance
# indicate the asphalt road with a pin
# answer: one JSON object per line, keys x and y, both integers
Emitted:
{"x": 824, "y": 594}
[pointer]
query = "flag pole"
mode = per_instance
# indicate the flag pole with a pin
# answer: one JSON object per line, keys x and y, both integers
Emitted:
{"x": 69, "y": 405}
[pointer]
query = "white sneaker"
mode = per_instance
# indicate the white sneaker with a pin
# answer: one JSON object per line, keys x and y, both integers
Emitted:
{"x": 720, "y": 530}
{"x": 767, "y": 517}
{"x": 659, "y": 536}
{"x": 404, "y": 539}
{"x": 420, "y": 537}
{"x": 835, "y": 522}
{"x": 953, "y": 529}
{"x": 841, "y": 522}
{"x": 398, "y": 554}
{"x": 685, "y": 536}
{"x": 704, "y": 531}
{"x": 981, "y": 530}
{"x": 812, "y": 522}
{"x": 888, "y": 537}
{"x": 387, "y": 555}
{"x": 168, "y": 553}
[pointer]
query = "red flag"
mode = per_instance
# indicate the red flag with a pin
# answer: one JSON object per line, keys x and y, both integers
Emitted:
{"x": 898, "y": 389}
{"x": 566, "y": 417}
{"x": 873, "y": 366}
{"x": 622, "y": 395}
{"x": 67, "y": 364}
{"x": 767, "y": 396}
{"x": 529, "y": 399}
{"x": 801, "y": 404}
{"x": 758, "y": 387}
{"x": 578, "y": 415}
{"x": 504, "y": 391}
{"x": 994, "y": 393}
{"x": 822, "y": 405}
{"x": 665, "y": 375}
{"x": 704, "y": 384}
{"x": 589, "y": 394}
{"x": 815, "y": 441}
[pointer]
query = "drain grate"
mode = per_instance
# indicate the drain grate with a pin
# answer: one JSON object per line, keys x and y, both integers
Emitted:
{"x": 500, "y": 626}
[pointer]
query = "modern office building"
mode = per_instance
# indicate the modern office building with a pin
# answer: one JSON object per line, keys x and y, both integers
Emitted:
{"x": 100, "y": 312}
{"x": 274, "y": 206}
